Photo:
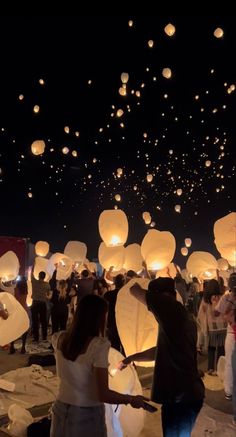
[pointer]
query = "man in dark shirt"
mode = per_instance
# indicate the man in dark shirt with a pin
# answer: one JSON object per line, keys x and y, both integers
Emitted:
{"x": 85, "y": 285}
{"x": 176, "y": 383}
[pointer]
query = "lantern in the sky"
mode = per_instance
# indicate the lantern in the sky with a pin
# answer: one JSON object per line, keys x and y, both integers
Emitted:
{"x": 184, "y": 251}
{"x": 17, "y": 322}
{"x": 124, "y": 77}
{"x": 67, "y": 129}
{"x": 113, "y": 227}
{"x": 149, "y": 178}
{"x": 122, "y": 91}
{"x": 38, "y": 147}
{"x": 188, "y": 242}
{"x": 111, "y": 256}
{"x": 208, "y": 163}
{"x": 136, "y": 325}
{"x": 41, "y": 265}
{"x": 119, "y": 171}
{"x": 65, "y": 150}
{"x": 158, "y": 249}
{"x": 133, "y": 258}
{"x": 225, "y": 237}
{"x": 36, "y": 109}
{"x": 119, "y": 112}
{"x": 150, "y": 43}
{"x": 76, "y": 250}
{"x": 41, "y": 248}
{"x": 169, "y": 29}
{"x": 218, "y": 32}
{"x": 177, "y": 208}
{"x": 202, "y": 264}
{"x": 118, "y": 197}
{"x": 179, "y": 192}
{"x": 64, "y": 268}
{"x": 166, "y": 73}
{"x": 74, "y": 153}
{"x": 9, "y": 266}
{"x": 222, "y": 264}
{"x": 147, "y": 217}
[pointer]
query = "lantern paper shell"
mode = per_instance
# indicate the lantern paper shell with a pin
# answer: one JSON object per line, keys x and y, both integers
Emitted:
{"x": 9, "y": 266}
{"x": 179, "y": 192}
{"x": 133, "y": 258}
{"x": 218, "y": 32}
{"x": 76, "y": 250}
{"x": 166, "y": 73}
{"x": 38, "y": 147}
{"x": 118, "y": 197}
{"x": 113, "y": 227}
{"x": 188, "y": 242}
{"x": 202, "y": 265}
{"x": 64, "y": 268}
{"x": 111, "y": 256}
{"x": 124, "y": 77}
{"x": 124, "y": 420}
{"x": 169, "y": 29}
{"x": 17, "y": 322}
{"x": 147, "y": 217}
{"x": 136, "y": 325}
{"x": 177, "y": 208}
{"x": 208, "y": 163}
{"x": 149, "y": 178}
{"x": 158, "y": 249}
{"x": 169, "y": 271}
{"x": 41, "y": 265}
{"x": 222, "y": 264}
{"x": 41, "y": 248}
{"x": 184, "y": 251}
{"x": 225, "y": 237}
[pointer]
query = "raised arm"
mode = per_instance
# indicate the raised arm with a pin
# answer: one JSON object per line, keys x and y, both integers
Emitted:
{"x": 139, "y": 293}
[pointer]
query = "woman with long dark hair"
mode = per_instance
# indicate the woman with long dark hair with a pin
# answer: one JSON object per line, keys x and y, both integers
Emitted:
{"x": 82, "y": 365}
{"x": 21, "y": 292}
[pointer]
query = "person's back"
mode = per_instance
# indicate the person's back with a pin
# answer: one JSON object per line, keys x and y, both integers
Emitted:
{"x": 85, "y": 285}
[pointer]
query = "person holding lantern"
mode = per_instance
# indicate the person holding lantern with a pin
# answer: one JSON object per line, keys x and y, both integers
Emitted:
{"x": 176, "y": 384}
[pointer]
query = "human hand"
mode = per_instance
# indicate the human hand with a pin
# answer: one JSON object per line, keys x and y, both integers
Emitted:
{"x": 135, "y": 287}
{"x": 138, "y": 401}
{"x": 124, "y": 363}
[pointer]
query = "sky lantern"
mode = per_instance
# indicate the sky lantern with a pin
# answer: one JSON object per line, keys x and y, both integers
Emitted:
{"x": 9, "y": 266}
{"x": 119, "y": 112}
{"x": 64, "y": 268}
{"x": 76, "y": 250}
{"x": 30, "y": 195}
{"x": 41, "y": 81}
{"x": 36, "y": 109}
{"x": 169, "y": 29}
{"x": 218, "y": 32}
{"x": 118, "y": 197}
{"x": 119, "y": 171}
{"x": 188, "y": 242}
{"x": 166, "y": 73}
{"x": 124, "y": 77}
{"x": 17, "y": 322}
{"x": 122, "y": 91}
{"x": 208, "y": 163}
{"x": 150, "y": 43}
{"x": 111, "y": 256}
{"x": 65, "y": 150}
{"x": 225, "y": 237}
{"x": 202, "y": 264}
{"x": 21, "y": 97}
{"x": 149, "y": 178}
{"x": 222, "y": 264}
{"x": 158, "y": 249}
{"x": 77, "y": 133}
{"x": 41, "y": 248}
{"x": 41, "y": 265}
{"x": 178, "y": 208}
{"x": 130, "y": 23}
{"x": 136, "y": 325}
{"x": 113, "y": 227}
{"x": 147, "y": 217}
{"x": 38, "y": 147}
{"x": 74, "y": 153}
{"x": 184, "y": 251}
{"x": 133, "y": 258}
{"x": 67, "y": 129}
{"x": 179, "y": 192}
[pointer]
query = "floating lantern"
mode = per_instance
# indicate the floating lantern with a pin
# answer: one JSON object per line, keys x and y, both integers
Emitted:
{"x": 223, "y": 264}
{"x": 184, "y": 251}
{"x": 150, "y": 43}
{"x": 179, "y": 192}
{"x": 111, "y": 256}
{"x": 122, "y": 91}
{"x": 202, "y": 264}
{"x": 147, "y": 217}
{"x": 124, "y": 77}
{"x": 76, "y": 133}
{"x": 41, "y": 265}
{"x": 9, "y": 266}
{"x": 119, "y": 171}
{"x": 17, "y": 322}
{"x": 178, "y": 208}
{"x": 130, "y": 23}
{"x": 113, "y": 227}
{"x": 74, "y": 153}
{"x": 38, "y": 147}
{"x": 41, "y": 82}
{"x": 188, "y": 242}
{"x": 208, "y": 163}
{"x": 76, "y": 250}
{"x": 166, "y": 73}
{"x": 119, "y": 112}
{"x": 169, "y": 29}
{"x": 36, "y": 109}
{"x": 30, "y": 195}
{"x": 118, "y": 197}
{"x": 41, "y": 248}
{"x": 225, "y": 237}
{"x": 64, "y": 268}
{"x": 21, "y": 97}
{"x": 149, "y": 178}
{"x": 65, "y": 150}
{"x": 67, "y": 129}
{"x": 133, "y": 258}
{"x": 218, "y": 32}
{"x": 158, "y": 249}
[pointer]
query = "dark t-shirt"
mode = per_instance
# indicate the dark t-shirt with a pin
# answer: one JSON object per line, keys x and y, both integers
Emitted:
{"x": 111, "y": 297}
{"x": 176, "y": 377}
{"x": 85, "y": 287}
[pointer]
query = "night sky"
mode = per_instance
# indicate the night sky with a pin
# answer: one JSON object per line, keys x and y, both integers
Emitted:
{"x": 169, "y": 127}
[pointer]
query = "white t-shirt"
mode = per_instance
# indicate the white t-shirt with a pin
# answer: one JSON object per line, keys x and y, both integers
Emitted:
{"x": 77, "y": 379}
{"x": 223, "y": 305}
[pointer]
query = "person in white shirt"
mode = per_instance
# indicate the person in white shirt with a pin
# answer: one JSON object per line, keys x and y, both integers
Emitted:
{"x": 82, "y": 365}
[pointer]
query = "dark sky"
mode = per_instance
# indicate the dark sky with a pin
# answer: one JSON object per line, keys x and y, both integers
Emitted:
{"x": 68, "y": 193}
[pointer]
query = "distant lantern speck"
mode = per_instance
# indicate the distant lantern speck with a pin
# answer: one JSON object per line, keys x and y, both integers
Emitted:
{"x": 208, "y": 163}
{"x": 184, "y": 251}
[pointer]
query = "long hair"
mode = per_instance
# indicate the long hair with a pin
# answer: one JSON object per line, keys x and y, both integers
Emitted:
{"x": 62, "y": 288}
{"x": 89, "y": 321}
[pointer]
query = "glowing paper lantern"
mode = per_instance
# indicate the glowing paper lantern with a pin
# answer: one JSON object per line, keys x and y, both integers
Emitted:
{"x": 222, "y": 264}
{"x": 9, "y": 266}
{"x": 225, "y": 237}
{"x": 41, "y": 248}
{"x": 202, "y": 265}
{"x": 184, "y": 251}
{"x": 118, "y": 197}
{"x": 111, "y": 256}
{"x": 124, "y": 77}
{"x": 150, "y": 43}
{"x": 218, "y": 32}
{"x": 169, "y": 29}
{"x": 179, "y": 192}
{"x": 158, "y": 249}
{"x": 149, "y": 178}
{"x": 67, "y": 129}
{"x": 76, "y": 250}
{"x": 119, "y": 112}
{"x": 166, "y": 73}
{"x": 113, "y": 227}
{"x": 188, "y": 242}
{"x": 36, "y": 109}
{"x": 30, "y": 195}
{"x": 122, "y": 91}
{"x": 17, "y": 322}
{"x": 38, "y": 147}
{"x": 41, "y": 265}
{"x": 41, "y": 82}
{"x": 119, "y": 171}
{"x": 64, "y": 268}
{"x": 74, "y": 153}
{"x": 133, "y": 258}
{"x": 177, "y": 208}
{"x": 136, "y": 325}
{"x": 169, "y": 271}
{"x": 21, "y": 97}
{"x": 130, "y": 23}
{"x": 208, "y": 163}
{"x": 147, "y": 217}
{"x": 65, "y": 150}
